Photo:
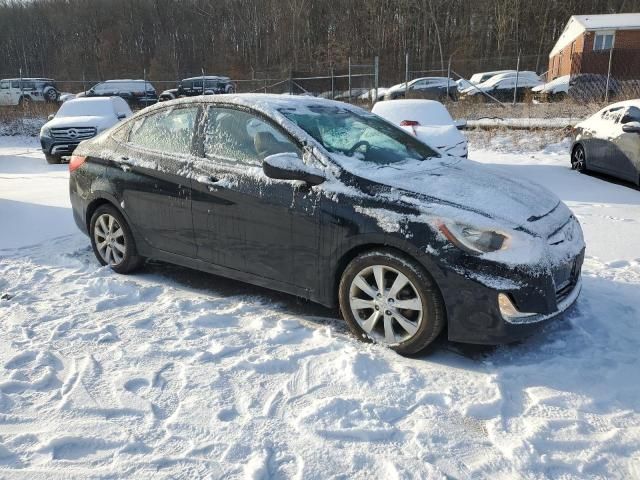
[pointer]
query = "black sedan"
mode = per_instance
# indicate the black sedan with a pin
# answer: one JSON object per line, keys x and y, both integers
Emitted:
{"x": 334, "y": 204}
{"x": 609, "y": 142}
{"x": 137, "y": 93}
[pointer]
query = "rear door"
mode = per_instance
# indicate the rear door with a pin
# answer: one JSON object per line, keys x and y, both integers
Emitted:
{"x": 243, "y": 220}
{"x": 628, "y": 144}
{"x": 598, "y": 131}
{"x": 609, "y": 158}
{"x": 152, "y": 178}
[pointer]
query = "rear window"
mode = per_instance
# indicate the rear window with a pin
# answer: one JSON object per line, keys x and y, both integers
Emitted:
{"x": 124, "y": 86}
{"x": 425, "y": 112}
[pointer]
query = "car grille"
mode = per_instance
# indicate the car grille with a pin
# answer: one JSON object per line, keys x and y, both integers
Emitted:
{"x": 564, "y": 276}
{"x": 73, "y": 134}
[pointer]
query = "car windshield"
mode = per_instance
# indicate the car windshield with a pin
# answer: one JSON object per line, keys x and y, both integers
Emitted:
{"x": 363, "y": 136}
{"x": 85, "y": 107}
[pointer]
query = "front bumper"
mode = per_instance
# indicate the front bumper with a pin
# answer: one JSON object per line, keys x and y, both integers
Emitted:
{"x": 62, "y": 148}
{"x": 474, "y": 314}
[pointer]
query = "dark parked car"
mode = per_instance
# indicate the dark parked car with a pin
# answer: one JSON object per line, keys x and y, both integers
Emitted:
{"x": 431, "y": 88}
{"x": 609, "y": 142}
{"x": 137, "y": 93}
{"x": 588, "y": 87}
{"x": 582, "y": 87}
{"x": 332, "y": 203}
{"x": 190, "y": 87}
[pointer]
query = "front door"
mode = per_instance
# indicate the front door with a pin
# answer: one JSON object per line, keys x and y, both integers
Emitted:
{"x": 5, "y": 93}
{"x": 243, "y": 220}
{"x": 152, "y": 177}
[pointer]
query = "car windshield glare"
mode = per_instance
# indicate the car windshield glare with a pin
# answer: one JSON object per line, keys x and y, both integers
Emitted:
{"x": 363, "y": 136}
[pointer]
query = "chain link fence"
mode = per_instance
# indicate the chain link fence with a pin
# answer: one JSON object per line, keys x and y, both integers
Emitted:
{"x": 595, "y": 78}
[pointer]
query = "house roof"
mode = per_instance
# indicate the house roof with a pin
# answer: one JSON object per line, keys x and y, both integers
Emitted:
{"x": 578, "y": 24}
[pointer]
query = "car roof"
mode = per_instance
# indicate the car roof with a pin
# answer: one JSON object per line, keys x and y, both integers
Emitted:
{"x": 206, "y": 77}
{"x": 626, "y": 103}
{"x": 31, "y": 79}
{"x": 266, "y": 103}
{"x": 444, "y": 79}
{"x": 125, "y": 80}
{"x": 412, "y": 109}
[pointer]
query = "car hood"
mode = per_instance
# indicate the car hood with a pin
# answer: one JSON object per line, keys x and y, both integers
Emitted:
{"x": 84, "y": 121}
{"x": 465, "y": 186}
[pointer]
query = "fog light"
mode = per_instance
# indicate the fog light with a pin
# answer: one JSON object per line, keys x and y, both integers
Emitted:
{"x": 508, "y": 309}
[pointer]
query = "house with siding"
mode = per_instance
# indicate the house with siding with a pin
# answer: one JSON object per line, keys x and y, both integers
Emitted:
{"x": 589, "y": 42}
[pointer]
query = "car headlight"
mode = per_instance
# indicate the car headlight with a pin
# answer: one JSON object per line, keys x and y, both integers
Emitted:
{"x": 474, "y": 240}
{"x": 45, "y": 132}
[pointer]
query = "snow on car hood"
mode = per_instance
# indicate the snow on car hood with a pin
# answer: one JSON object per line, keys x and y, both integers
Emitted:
{"x": 446, "y": 138}
{"x": 457, "y": 182}
{"x": 82, "y": 121}
{"x": 450, "y": 189}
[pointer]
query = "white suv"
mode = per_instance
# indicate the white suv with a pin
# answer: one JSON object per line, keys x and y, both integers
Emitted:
{"x": 18, "y": 91}
{"x": 77, "y": 120}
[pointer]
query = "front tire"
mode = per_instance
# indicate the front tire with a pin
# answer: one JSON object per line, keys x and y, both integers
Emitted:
{"x": 52, "y": 159}
{"x": 24, "y": 102}
{"x": 112, "y": 240}
{"x": 578, "y": 159}
{"x": 388, "y": 298}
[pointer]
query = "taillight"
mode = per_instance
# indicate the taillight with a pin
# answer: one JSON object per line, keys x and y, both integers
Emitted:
{"x": 409, "y": 123}
{"x": 76, "y": 162}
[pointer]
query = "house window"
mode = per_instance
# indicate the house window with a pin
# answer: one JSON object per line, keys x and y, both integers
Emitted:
{"x": 603, "y": 41}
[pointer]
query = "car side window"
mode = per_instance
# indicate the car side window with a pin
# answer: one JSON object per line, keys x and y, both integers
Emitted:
{"x": 168, "y": 130}
{"x": 613, "y": 114}
{"x": 240, "y": 137}
{"x": 4, "y": 85}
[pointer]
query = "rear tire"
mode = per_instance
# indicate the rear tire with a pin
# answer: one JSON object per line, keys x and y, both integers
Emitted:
{"x": 388, "y": 298}
{"x": 112, "y": 240}
{"x": 51, "y": 95}
{"x": 52, "y": 159}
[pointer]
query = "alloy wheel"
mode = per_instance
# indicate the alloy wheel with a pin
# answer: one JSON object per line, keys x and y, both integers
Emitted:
{"x": 577, "y": 160}
{"x": 386, "y": 304}
{"x": 110, "y": 239}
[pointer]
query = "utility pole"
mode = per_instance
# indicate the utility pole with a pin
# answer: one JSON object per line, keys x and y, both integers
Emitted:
{"x": 406, "y": 74}
{"x": 333, "y": 92}
{"x": 515, "y": 88}
{"x": 606, "y": 93}
{"x": 349, "y": 79}
{"x": 449, "y": 78}
{"x": 376, "y": 71}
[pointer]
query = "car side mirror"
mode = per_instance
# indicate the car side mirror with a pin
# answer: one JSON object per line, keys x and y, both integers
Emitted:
{"x": 121, "y": 116}
{"x": 50, "y": 117}
{"x": 289, "y": 166}
{"x": 631, "y": 127}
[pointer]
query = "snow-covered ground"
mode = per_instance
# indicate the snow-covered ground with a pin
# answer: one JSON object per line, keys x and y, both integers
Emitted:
{"x": 172, "y": 373}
